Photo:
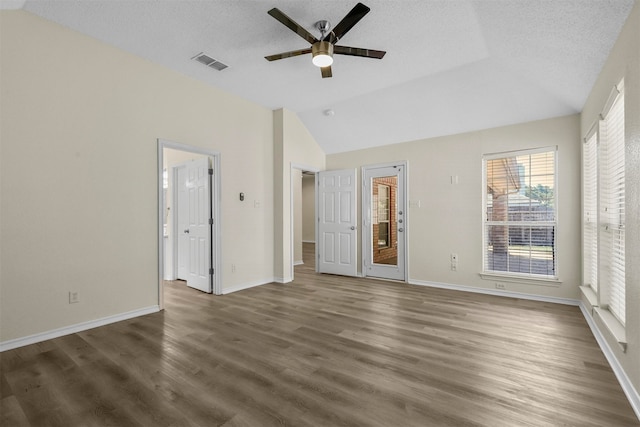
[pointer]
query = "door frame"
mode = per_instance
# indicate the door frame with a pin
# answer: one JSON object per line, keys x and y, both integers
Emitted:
{"x": 301, "y": 167}
{"x": 365, "y": 197}
{"x": 216, "y": 244}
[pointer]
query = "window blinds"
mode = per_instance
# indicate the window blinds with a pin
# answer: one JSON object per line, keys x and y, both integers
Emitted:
{"x": 520, "y": 213}
{"x": 590, "y": 211}
{"x": 612, "y": 208}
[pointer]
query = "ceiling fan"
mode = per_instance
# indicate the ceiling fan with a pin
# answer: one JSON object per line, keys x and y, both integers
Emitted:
{"x": 323, "y": 49}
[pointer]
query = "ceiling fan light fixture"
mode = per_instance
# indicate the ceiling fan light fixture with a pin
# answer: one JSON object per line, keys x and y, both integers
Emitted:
{"x": 322, "y": 53}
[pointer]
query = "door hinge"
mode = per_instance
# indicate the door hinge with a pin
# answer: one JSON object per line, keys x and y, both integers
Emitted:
{"x": 210, "y": 221}
{"x": 211, "y": 271}
{"x": 210, "y": 171}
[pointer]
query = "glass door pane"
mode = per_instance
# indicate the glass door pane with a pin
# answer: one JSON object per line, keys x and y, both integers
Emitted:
{"x": 384, "y": 224}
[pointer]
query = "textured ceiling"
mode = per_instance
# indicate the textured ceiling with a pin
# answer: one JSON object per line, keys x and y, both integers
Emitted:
{"x": 451, "y": 66}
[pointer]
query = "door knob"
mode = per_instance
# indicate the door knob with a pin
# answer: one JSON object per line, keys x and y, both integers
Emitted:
{"x": 401, "y": 229}
{"x": 353, "y": 227}
{"x": 186, "y": 231}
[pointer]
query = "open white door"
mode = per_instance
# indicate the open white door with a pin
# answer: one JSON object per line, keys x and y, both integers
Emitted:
{"x": 200, "y": 225}
{"x": 337, "y": 222}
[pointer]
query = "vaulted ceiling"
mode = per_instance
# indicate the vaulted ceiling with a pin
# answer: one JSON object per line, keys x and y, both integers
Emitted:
{"x": 450, "y": 67}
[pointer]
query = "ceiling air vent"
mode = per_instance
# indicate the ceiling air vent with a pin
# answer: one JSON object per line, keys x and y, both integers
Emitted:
{"x": 209, "y": 61}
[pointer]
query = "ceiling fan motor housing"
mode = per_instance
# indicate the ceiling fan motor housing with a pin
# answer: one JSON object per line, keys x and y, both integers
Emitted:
{"x": 322, "y": 48}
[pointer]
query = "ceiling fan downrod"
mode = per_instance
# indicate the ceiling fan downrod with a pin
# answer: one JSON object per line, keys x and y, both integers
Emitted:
{"x": 324, "y": 27}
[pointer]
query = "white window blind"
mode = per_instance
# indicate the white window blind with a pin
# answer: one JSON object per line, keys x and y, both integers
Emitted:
{"x": 520, "y": 213}
{"x": 612, "y": 209}
{"x": 590, "y": 211}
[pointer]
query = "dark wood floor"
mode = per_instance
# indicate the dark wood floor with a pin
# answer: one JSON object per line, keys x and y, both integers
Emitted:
{"x": 321, "y": 351}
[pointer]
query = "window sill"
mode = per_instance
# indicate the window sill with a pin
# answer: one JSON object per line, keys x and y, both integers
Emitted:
{"x": 590, "y": 295}
{"x": 614, "y": 326}
{"x": 512, "y": 278}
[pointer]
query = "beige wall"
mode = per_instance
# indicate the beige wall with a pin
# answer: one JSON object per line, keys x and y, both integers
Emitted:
{"x": 78, "y": 134}
{"x": 449, "y": 219}
{"x": 308, "y": 209}
{"x": 293, "y": 145}
{"x": 624, "y": 62}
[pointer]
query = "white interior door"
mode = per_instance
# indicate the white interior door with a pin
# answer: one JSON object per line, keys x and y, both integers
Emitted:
{"x": 182, "y": 218}
{"x": 337, "y": 222}
{"x": 384, "y": 219}
{"x": 199, "y": 225}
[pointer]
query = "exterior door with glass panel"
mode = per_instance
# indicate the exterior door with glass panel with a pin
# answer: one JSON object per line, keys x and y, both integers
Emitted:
{"x": 384, "y": 222}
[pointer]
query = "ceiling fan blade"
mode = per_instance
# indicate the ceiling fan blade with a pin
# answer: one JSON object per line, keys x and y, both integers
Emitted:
{"x": 356, "y": 51}
{"x": 292, "y": 25}
{"x": 352, "y": 18}
{"x": 287, "y": 54}
{"x": 326, "y": 72}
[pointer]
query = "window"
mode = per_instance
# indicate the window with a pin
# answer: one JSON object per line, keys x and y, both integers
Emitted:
{"x": 590, "y": 211}
{"x": 383, "y": 215}
{"x": 604, "y": 207}
{"x": 520, "y": 213}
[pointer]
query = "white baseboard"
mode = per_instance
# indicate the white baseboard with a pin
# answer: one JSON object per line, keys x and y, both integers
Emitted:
{"x": 248, "y": 285}
{"x": 79, "y": 327}
{"x": 298, "y": 263}
{"x": 628, "y": 388}
{"x": 496, "y": 292}
{"x": 283, "y": 279}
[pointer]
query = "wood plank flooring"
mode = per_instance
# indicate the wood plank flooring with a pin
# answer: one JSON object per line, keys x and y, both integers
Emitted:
{"x": 321, "y": 351}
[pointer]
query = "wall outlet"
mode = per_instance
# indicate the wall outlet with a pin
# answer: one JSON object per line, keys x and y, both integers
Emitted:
{"x": 454, "y": 262}
{"x": 233, "y": 268}
{"x": 74, "y": 297}
{"x": 501, "y": 286}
